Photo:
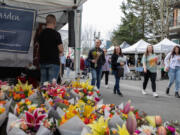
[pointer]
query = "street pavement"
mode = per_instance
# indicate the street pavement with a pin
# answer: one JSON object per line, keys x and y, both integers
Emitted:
{"x": 166, "y": 106}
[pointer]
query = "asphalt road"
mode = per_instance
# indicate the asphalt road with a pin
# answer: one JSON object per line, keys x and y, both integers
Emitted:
{"x": 166, "y": 106}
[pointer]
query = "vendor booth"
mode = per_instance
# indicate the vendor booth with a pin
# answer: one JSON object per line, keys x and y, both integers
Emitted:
{"x": 138, "y": 47}
{"x": 12, "y": 58}
{"x": 164, "y": 46}
{"x": 124, "y": 45}
{"x": 110, "y": 50}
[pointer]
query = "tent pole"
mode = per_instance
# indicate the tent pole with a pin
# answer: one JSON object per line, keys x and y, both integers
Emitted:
{"x": 78, "y": 20}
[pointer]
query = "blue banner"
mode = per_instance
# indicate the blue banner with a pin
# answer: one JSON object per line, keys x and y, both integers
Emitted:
{"x": 16, "y": 26}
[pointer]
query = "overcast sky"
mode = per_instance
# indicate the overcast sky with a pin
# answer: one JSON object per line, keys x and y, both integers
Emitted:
{"x": 102, "y": 15}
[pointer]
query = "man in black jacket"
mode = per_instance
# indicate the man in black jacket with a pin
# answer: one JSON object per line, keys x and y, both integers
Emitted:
{"x": 97, "y": 59}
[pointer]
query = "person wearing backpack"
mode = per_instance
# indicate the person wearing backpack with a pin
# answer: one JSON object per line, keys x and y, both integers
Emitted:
{"x": 172, "y": 66}
{"x": 150, "y": 61}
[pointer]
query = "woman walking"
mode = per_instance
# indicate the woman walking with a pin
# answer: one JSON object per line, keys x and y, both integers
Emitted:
{"x": 150, "y": 69}
{"x": 172, "y": 65}
{"x": 106, "y": 68}
{"x": 118, "y": 64}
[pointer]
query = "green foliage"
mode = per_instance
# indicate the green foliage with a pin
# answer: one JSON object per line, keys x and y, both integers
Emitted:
{"x": 131, "y": 28}
{"x": 143, "y": 19}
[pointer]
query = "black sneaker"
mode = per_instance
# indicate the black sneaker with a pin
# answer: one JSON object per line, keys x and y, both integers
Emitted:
{"x": 167, "y": 91}
{"x": 177, "y": 95}
{"x": 120, "y": 94}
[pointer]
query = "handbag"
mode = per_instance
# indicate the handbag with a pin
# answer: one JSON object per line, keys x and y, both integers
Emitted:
{"x": 120, "y": 71}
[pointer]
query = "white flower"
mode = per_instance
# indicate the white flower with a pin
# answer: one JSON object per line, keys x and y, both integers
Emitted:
{"x": 46, "y": 83}
{"x": 90, "y": 97}
{"x": 5, "y": 87}
{"x": 147, "y": 128}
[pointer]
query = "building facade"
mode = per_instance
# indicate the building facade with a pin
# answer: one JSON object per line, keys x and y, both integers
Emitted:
{"x": 175, "y": 22}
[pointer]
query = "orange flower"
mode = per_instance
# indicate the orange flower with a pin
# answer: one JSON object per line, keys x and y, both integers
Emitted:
{"x": 66, "y": 102}
{"x": 2, "y": 102}
{"x": 51, "y": 103}
{"x": 18, "y": 110}
{"x": 16, "y": 96}
{"x": 2, "y": 110}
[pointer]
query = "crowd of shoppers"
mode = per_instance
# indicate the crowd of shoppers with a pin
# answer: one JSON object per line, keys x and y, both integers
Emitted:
{"x": 53, "y": 62}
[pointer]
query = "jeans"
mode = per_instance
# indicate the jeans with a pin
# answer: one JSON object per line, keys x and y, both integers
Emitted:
{"x": 96, "y": 76}
{"x": 49, "y": 72}
{"x": 117, "y": 80}
{"x": 174, "y": 75}
{"x": 152, "y": 76}
{"x": 171, "y": 75}
{"x": 68, "y": 71}
{"x": 177, "y": 79}
{"x": 106, "y": 76}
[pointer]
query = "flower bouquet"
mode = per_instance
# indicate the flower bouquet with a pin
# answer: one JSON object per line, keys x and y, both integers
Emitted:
{"x": 4, "y": 110}
{"x": 53, "y": 90}
{"x": 21, "y": 91}
{"x": 4, "y": 89}
{"x": 27, "y": 105}
{"x": 96, "y": 55}
{"x": 86, "y": 92}
{"x": 83, "y": 111}
{"x": 35, "y": 123}
{"x": 73, "y": 126}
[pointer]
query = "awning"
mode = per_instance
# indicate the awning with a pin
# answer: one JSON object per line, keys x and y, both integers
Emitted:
{"x": 164, "y": 46}
{"x": 43, "y": 7}
{"x": 138, "y": 47}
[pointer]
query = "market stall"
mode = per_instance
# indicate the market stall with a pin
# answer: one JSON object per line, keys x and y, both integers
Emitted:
{"x": 59, "y": 8}
{"x": 124, "y": 45}
{"x": 164, "y": 46}
{"x": 136, "y": 49}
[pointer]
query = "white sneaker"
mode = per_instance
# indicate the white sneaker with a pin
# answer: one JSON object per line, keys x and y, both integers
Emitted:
{"x": 143, "y": 92}
{"x": 155, "y": 94}
{"x": 107, "y": 86}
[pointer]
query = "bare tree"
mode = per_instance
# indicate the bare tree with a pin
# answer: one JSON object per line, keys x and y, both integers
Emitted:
{"x": 87, "y": 38}
{"x": 160, "y": 12}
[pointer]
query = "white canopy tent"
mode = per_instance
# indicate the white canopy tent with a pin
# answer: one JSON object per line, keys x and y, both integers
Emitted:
{"x": 44, "y": 7}
{"x": 124, "y": 45}
{"x": 164, "y": 46}
{"x": 110, "y": 50}
{"x": 138, "y": 47}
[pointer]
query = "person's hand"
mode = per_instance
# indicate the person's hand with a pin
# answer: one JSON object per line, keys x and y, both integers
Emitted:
{"x": 98, "y": 54}
{"x": 93, "y": 61}
{"x": 167, "y": 69}
{"x": 156, "y": 59}
{"x": 122, "y": 63}
{"x": 145, "y": 70}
